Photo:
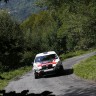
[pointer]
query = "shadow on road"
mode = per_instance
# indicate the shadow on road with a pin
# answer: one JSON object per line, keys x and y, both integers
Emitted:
{"x": 63, "y": 73}
{"x": 91, "y": 91}
{"x": 72, "y": 91}
{"x": 68, "y": 71}
{"x": 25, "y": 93}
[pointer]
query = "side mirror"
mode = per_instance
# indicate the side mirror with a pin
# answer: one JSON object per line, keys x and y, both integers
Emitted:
{"x": 60, "y": 58}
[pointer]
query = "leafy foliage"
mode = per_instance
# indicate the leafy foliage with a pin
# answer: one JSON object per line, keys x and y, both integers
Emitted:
{"x": 11, "y": 41}
{"x": 66, "y": 25}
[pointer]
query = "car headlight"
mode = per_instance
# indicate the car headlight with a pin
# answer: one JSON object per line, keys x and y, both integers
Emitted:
{"x": 54, "y": 65}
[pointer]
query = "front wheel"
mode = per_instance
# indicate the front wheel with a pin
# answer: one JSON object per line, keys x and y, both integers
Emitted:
{"x": 60, "y": 70}
{"x": 36, "y": 75}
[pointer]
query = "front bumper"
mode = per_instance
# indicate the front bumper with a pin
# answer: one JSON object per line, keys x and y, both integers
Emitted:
{"x": 46, "y": 71}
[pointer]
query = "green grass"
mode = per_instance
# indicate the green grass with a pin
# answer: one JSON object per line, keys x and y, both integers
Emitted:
{"x": 86, "y": 69}
{"x": 75, "y": 53}
{"x": 7, "y": 76}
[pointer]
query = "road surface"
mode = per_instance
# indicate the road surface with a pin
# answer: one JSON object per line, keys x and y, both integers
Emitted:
{"x": 62, "y": 85}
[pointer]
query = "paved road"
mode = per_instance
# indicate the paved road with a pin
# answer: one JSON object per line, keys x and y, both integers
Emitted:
{"x": 65, "y": 85}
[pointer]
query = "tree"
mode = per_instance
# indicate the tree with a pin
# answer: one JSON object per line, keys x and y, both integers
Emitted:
{"x": 11, "y": 41}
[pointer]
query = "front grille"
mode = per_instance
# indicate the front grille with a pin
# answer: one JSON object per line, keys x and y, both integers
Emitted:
{"x": 49, "y": 66}
{"x": 44, "y": 67}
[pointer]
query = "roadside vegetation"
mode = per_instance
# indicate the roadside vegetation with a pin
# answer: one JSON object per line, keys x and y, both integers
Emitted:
{"x": 86, "y": 69}
{"x": 75, "y": 53}
{"x": 6, "y": 77}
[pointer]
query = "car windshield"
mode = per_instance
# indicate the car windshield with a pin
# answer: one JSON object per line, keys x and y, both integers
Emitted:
{"x": 46, "y": 58}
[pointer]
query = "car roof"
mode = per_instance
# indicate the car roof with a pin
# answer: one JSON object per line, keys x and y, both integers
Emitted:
{"x": 46, "y": 53}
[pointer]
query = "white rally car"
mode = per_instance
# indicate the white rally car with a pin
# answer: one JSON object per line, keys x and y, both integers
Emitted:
{"x": 46, "y": 63}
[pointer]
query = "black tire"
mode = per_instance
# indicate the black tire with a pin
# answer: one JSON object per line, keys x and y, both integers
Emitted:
{"x": 36, "y": 75}
{"x": 61, "y": 69}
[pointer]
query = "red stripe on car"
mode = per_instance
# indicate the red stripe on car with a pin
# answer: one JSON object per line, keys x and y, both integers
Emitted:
{"x": 42, "y": 64}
